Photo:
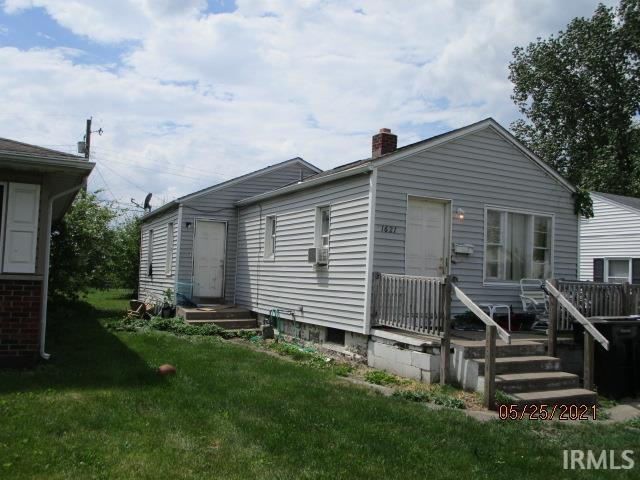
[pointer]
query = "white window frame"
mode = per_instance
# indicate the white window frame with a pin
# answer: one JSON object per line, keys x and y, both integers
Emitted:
{"x": 168, "y": 265}
{"x": 150, "y": 252}
{"x": 318, "y": 234}
{"x": 3, "y": 220}
{"x": 270, "y": 229}
{"x": 500, "y": 282}
{"x": 606, "y": 268}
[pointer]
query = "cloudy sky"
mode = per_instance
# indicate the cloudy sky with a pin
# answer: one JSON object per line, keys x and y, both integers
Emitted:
{"x": 190, "y": 92}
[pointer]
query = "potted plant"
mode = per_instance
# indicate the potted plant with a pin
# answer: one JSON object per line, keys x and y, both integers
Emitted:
{"x": 168, "y": 308}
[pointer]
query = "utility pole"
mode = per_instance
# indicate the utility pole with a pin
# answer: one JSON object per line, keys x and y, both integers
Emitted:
{"x": 87, "y": 139}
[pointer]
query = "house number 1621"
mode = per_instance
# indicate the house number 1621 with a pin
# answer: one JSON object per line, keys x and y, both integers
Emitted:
{"x": 388, "y": 228}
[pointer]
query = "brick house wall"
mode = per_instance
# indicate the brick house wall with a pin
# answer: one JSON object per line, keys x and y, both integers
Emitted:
{"x": 20, "y": 302}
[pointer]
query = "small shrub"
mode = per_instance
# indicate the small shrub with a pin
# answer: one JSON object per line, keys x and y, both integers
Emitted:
{"x": 503, "y": 398}
{"x": 438, "y": 398}
{"x": 380, "y": 377}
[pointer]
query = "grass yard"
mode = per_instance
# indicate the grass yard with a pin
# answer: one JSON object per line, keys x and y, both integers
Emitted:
{"x": 97, "y": 409}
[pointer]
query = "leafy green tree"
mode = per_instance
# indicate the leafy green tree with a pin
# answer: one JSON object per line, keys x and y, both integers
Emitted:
{"x": 82, "y": 247}
{"x": 126, "y": 260}
{"x": 579, "y": 92}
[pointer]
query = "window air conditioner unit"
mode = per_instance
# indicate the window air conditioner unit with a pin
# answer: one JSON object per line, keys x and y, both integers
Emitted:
{"x": 318, "y": 256}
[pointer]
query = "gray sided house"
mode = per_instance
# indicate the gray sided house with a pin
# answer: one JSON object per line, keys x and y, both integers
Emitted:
{"x": 610, "y": 241}
{"x": 189, "y": 245}
{"x": 472, "y": 203}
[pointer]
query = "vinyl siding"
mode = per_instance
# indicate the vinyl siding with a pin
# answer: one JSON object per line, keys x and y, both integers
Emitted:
{"x": 473, "y": 171}
{"x": 220, "y": 205}
{"x": 614, "y": 231}
{"x": 331, "y": 296}
{"x": 153, "y": 288}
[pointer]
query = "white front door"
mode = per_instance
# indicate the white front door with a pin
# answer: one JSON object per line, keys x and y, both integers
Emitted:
{"x": 427, "y": 242}
{"x": 209, "y": 255}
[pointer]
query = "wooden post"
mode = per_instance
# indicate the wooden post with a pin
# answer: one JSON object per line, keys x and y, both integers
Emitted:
{"x": 490, "y": 368}
{"x": 625, "y": 299}
{"x": 554, "y": 313}
{"x": 445, "y": 343}
{"x": 589, "y": 350}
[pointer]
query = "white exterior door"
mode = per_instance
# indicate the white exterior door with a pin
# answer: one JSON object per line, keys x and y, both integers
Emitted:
{"x": 209, "y": 257}
{"x": 427, "y": 241}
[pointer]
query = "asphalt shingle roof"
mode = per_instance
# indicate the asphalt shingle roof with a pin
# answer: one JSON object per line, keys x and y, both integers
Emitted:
{"x": 19, "y": 148}
{"x": 633, "y": 202}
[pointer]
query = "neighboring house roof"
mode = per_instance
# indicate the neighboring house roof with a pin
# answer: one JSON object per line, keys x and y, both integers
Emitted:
{"x": 20, "y": 148}
{"x": 218, "y": 186}
{"x": 32, "y": 154}
{"x": 633, "y": 202}
{"x": 359, "y": 166}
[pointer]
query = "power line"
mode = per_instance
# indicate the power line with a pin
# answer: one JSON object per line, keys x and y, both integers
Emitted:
{"x": 131, "y": 182}
{"x": 105, "y": 183}
{"x": 162, "y": 171}
{"x": 179, "y": 168}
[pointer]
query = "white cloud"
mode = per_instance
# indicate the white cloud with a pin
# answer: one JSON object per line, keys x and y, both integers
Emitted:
{"x": 211, "y": 96}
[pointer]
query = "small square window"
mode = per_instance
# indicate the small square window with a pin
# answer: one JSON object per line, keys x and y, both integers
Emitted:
{"x": 335, "y": 336}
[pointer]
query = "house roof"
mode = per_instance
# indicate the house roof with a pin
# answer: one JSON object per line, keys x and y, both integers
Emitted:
{"x": 633, "y": 202}
{"x": 25, "y": 155}
{"x": 218, "y": 186}
{"x": 359, "y": 166}
{"x": 14, "y": 147}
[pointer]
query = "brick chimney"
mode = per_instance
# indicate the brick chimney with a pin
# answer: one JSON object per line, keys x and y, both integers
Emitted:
{"x": 383, "y": 142}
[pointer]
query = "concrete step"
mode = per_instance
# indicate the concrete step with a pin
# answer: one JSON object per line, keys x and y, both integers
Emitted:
{"x": 213, "y": 313}
{"x": 532, "y": 363}
{"x": 476, "y": 349}
{"x": 229, "y": 323}
{"x": 568, "y": 396}
{"x": 536, "y": 381}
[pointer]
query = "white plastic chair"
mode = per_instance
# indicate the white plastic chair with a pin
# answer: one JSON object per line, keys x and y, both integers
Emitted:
{"x": 534, "y": 298}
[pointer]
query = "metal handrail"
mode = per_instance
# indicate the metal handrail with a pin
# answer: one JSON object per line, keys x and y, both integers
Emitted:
{"x": 588, "y": 326}
{"x": 460, "y": 295}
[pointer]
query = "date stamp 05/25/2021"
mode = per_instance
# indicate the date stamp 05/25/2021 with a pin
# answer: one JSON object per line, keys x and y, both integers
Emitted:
{"x": 547, "y": 412}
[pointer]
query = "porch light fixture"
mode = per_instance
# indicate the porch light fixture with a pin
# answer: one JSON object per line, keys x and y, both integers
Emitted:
{"x": 459, "y": 214}
{"x": 187, "y": 225}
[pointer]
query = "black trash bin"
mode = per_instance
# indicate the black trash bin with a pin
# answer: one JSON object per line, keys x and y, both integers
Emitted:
{"x": 617, "y": 371}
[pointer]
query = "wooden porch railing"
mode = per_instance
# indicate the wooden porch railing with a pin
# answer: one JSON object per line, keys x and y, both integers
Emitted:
{"x": 584, "y": 298}
{"x": 491, "y": 330}
{"x": 423, "y": 305}
{"x": 593, "y": 299}
{"x": 415, "y": 304}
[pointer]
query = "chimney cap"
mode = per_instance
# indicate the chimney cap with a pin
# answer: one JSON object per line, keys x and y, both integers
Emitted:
{"x": 385, "y": 130}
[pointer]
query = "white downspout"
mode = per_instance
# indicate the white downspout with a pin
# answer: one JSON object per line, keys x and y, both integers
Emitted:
{"x": 45, "y": 280}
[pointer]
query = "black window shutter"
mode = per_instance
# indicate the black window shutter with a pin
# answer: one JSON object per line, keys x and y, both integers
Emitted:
{"x": 635, "y": 270}
{"x": 598, "y": 269}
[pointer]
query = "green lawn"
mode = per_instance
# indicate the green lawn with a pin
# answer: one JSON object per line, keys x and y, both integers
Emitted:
{"x": 98, "y": 410}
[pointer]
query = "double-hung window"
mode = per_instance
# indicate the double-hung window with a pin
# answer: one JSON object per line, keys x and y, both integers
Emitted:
{"x": 270, "y": 237}
{"x": 618, "y": 270}
{"x": 324, "y": 217}
{"x": 169, "y": 253}
{"x": 517, "y": 245}
{"x": 323, "y": 234}
{"x": 150, "y": 253}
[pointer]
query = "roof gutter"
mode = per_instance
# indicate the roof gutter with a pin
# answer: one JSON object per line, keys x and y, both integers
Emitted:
{"x": 45, "y": 281}
{"x": 294, "y": 187}
{"x": 49, "y": 161}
